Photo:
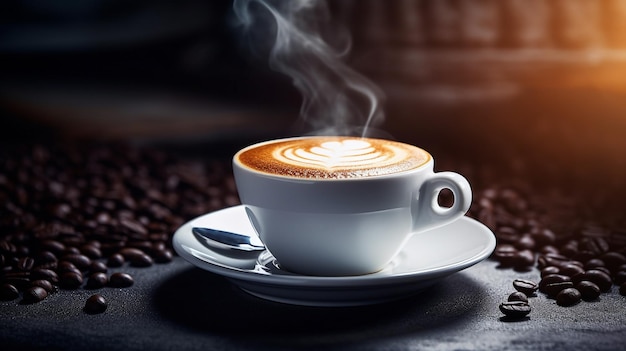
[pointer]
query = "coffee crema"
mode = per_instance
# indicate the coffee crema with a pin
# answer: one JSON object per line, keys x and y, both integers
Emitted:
{"x": 332, "y": 157}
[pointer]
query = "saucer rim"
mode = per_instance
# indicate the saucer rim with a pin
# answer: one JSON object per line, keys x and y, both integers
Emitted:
{"x": 248, "y": 275}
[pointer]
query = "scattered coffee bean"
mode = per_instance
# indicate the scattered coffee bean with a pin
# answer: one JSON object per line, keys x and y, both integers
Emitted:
{"x": 622, "y": 289}
{"x": 613, "y": 260}
{"x": 163, "y": 256}
{"x": 45, "y": 258}
{"x": 81, "y": 262}
{"x": 25, "y": 263}
{"x": 43, "y": 284}
{"x": 71, "y": 280}
{"x": 97, "y": 267}
{"x": 95, "y": 304}
{"x": 552, "y": 278}
{"x": 525, "y": 286}
{"x": 549, "y": 270}
{"x": 8, "y": 292}
{"x": 115, "y": 260}
{"x": 524, "y": 260}
{"x": 91, "y": 251}
{"x": 588, "y": 290}
{"x": 515, "y": 309}
{"x": 131, "y": 252}
{"x": 553, "y": 289}
{"x": 518, "y": 296}
{"x": 121, "y": 280}
{"x": 594, "y": 263}
{"x": 142, "y": 260}
{"x": 46, "y": 274}
{"x": 600, "y": 278}
{"x": 568, "y": 297}
{"x": 97, "y": 280}
{"x": 34, "y": 294}
{"x": 66, "y": 266}
{"x": 571, "y": 270}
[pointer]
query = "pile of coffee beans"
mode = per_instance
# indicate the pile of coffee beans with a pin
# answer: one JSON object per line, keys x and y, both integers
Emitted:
{"x": 579, "y": 248}
{"x": 73, "y": 213}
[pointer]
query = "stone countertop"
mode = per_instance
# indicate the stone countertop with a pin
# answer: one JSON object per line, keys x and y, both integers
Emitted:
{"x": 179, "y": 307}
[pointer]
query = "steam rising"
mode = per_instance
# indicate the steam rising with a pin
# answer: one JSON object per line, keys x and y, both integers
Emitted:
{"x": 336, "y": 99}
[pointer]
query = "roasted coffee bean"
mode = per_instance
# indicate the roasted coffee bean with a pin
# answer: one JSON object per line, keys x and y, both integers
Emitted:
{"x": 8, "y": 292}
{"x": 596, "y": 245}
{"x": 91, "y": 251}
{"x": 95, "y": 304}
{"x": 45, "y": 258}
{"x": 556, "y": 260}
{"x": 130, "y": 252}
{"x": 544, "y": 237}
{"x": 142, "y": 260}
{"x": 34, "y": 294}
{"x": 589, "y": 291}
{"x": 525, "y": 286}
{"x": 53, "y": 246}
{"x": 46, "y": 274}
{"x": 549, "y": 270}
{"x": 518, "y": 296}
{"x": 121, "y": 280}
{"x": 571, "y": 270}
{"x": 583, "y": 256}
{"x": 554, "y": 289}
{"x": 549, "y": 250}
{"x": 552, "y": 278}
{"x": 505, "y": 254}
{"x": 70, "y": 250}
{"x": 594, "y": 263}
{"x": 568, "y": 297}
{"x": 115, "y": 260}
{"x": 133, "y": 226}
{"x": 7, "y": 248}
{"x": 81, "y": 262}
{"x": 603, "y": 269}
{"x": 163, "y": 256}
{"x": 526, "y": 242}
{"x": 25, "y": 263}
{"x": 524, "y": 260}
{"x": 98, "y": 267}
{"x": 144, "y": 246}
{"x": 97, "y": 280}
{"x": 43, "y": 284}
{"x": 515, "y": 309}
{"x": 66, "y": 266}
{"x": 507, "y": 234}
{"x": 71, "y": 280}
{"x": 613, "y": 260}
{"x": 622, "y": 289}
{"x": 600, "y": 278}
{"x": 570, "y": 249}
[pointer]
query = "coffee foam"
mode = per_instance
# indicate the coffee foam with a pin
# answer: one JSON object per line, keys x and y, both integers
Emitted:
{"x": 332, "y": 157}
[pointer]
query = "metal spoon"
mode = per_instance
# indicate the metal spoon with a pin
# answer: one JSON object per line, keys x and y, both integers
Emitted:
{"x": 228, "y": 241}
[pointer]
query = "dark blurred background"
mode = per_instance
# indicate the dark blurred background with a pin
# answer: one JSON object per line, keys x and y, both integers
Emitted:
{"x": 537, "y": 84}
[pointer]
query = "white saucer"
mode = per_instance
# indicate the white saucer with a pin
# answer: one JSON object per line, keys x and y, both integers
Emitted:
{"x": 426, "y": 258}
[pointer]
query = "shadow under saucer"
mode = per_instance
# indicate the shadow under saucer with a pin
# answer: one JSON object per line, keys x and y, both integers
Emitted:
{"x": 208, "y": 303}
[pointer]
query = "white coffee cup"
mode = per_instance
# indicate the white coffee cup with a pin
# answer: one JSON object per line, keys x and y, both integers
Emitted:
{"x": 329, "y": 223}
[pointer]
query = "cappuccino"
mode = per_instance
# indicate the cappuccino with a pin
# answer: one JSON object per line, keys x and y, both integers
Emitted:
{"x": 332, "y": 157}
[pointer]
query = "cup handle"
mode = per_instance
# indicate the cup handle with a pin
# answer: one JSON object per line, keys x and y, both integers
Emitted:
{"x": 427, "y": 213}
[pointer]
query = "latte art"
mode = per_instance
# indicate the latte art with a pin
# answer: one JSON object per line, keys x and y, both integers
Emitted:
{"x": 331, "y": 154}
{"x": 332, "y": 157}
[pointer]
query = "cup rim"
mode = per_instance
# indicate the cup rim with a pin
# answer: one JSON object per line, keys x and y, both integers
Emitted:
{"x": 236, "y": 162}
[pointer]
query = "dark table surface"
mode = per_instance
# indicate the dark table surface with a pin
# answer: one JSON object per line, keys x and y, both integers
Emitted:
{"x": 177, "y": 306}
